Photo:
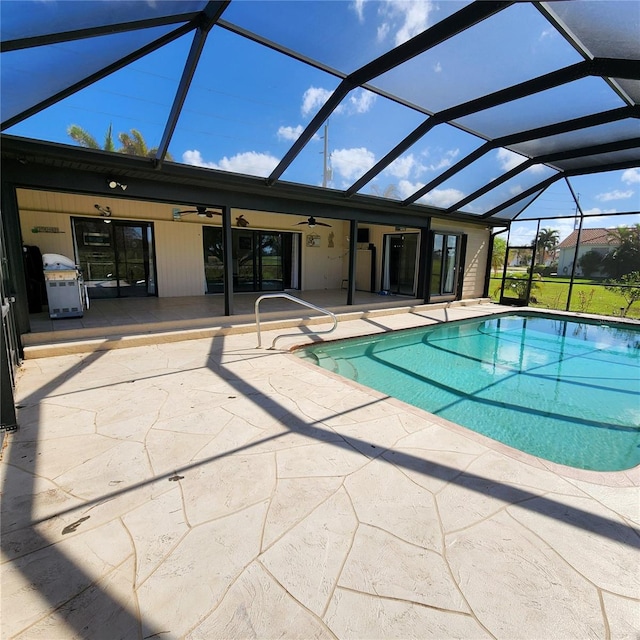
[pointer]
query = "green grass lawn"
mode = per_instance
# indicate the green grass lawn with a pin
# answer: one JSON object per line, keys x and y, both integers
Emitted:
{"x": 587, "y": 296}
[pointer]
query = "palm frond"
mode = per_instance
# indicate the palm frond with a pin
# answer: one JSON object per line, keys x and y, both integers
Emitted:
{"x": 108, "y": 139}
{"x": 82, "y": 137}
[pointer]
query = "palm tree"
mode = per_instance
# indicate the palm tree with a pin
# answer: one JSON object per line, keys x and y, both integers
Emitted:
{"x": 624, "y": 257}
{"x": 547, "y": 241}
{"x": 135, "y": 145}
{"x": 132, "y": 143}
{"x": 390, "y": 191}
{"x": 499, "y": 254}
{"x": 85, "y": 139}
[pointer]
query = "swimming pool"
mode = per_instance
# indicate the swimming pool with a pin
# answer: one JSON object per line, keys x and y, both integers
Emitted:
{"x": 564, "y": 390}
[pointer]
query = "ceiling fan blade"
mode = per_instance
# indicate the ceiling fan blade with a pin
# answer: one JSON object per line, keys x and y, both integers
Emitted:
{"x": 312, "y": 222}
{"x": 201, "y": 211}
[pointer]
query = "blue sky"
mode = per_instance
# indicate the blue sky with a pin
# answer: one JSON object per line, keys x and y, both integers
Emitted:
{"x": 247, "y": 103}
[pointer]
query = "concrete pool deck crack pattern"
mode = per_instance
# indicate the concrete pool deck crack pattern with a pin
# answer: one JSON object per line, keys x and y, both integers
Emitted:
{"x": 285, "y": 521}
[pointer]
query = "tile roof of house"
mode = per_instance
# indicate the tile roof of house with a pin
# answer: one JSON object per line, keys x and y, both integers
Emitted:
{"x": 587, "y": 237}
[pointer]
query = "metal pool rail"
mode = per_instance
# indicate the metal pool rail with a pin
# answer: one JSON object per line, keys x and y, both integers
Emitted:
{"x": 293, "y": 299}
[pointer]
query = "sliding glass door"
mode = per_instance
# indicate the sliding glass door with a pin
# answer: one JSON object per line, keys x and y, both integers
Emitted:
{"x": 445, "y": 260}
{"x": 399, "y": 263}
{"x": 262, "y": 260}
{"x": 116, "y": 259}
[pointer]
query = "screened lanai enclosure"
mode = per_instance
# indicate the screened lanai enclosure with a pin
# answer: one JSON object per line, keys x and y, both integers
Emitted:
{"x": 210, "y": 147}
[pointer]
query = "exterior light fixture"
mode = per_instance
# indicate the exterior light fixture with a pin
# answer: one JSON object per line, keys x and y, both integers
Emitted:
{"x": 114, "y": 184}
{"x": 105, "y": 212}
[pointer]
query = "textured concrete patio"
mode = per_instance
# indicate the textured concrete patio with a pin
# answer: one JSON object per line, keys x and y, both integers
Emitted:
{"x": 209, "y": 489}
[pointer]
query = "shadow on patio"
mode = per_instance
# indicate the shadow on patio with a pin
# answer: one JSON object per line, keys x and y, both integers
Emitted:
{"x": 269, "y": 471}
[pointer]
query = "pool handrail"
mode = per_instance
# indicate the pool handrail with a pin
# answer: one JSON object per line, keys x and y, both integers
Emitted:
{"x": 293, "y": 299}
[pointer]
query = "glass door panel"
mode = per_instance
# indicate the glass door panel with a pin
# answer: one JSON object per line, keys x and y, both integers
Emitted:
{"x": 407, "y": 267}
{"x": 262, "y": 260}
{"x": 445, "y": 258}
{"x": 450, "y": 260}
{"x": 116, "y": 258}
{"x": 399, "y": 268}
{"x": 244, "y": 262}
{"x": 96, "y": 257}
{"x": 213, "y": 259}
{"x": 131, "y": 260}
{"x": 436, "y": 264}
{"x": 270, "y": 259}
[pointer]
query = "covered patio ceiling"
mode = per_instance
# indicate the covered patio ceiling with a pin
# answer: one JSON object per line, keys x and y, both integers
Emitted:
{"x": 484, "y": 111}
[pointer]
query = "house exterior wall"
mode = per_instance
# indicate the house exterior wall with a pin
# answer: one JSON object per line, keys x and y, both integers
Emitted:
{"x": 476, "y": 257}
{"x": 565, "y": 259}
{"x": 178, "y": 244}
{"x": 32, "y": 224}
{"x": 179, "y": 259}
{"x": 323, "y": 265}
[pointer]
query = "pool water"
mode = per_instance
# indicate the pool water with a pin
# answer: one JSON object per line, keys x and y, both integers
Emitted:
{"x": 562, "y": 390}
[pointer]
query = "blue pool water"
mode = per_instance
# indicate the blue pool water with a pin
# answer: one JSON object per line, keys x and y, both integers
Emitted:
{"x": 562, "y": 390}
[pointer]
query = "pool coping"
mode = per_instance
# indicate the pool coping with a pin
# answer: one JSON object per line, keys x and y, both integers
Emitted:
{"x": 623, "y": 478}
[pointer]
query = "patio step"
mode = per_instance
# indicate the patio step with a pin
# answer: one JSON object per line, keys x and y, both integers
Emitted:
{"x": 45, "y": 344}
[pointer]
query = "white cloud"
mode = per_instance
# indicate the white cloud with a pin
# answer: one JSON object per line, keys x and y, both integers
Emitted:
{"x": 404, "y": 19}
{"x": 508, "y": 159}
{"x": 290, "y": 133}
{"x": 516, "y": 189}
{"x": 445, "y": 161}
{"x": 358, "y": 7}
{"x": 352, "y": 163}
{"x": 565, "y": 227}
{"x": 522, "y": 236}
{"x": 631, "y": 176}
{"x": 437, "y": 67}
{"x": 596, "y": 211}
{"x": 442, "y": 198}
{"x": 615, "y": 195}
{"x": 194, "y": 157}
{"x": 361, "y": 101}
{"x": 409, "y": 165}
{"x": 250, "y": 163}
{"x": 403, "y": 166}
{"x": 407, "y": 188}
{"x": 383, "y": 31}
{"x": 313, "y": 99}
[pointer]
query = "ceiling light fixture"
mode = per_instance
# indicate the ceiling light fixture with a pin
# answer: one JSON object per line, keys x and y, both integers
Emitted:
{"x": 114, "y": 184}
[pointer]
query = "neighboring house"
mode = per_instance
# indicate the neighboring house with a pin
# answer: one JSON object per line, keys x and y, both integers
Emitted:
{"x": 590, "y": 240}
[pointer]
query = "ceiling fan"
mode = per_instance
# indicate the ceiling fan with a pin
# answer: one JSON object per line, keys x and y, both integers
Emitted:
{"x": 203, "y": 212}
{"x": 312, "y": 222}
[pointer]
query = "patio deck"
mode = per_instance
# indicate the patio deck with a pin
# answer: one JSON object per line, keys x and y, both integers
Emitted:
{"x": 209, "y": 489}
{"x": 116, "y": 323}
